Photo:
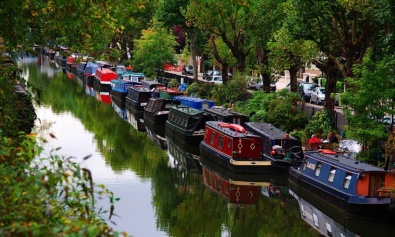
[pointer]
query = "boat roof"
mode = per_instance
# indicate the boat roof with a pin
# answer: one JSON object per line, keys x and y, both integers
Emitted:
{"x": 186, "y": 109}
{"x": 190, "y": 98}
{"x": 226, "y": 130}
{"x": 221, "y": 111}
{"x": 343, "y": 161}
{"x": 266, "y": 129}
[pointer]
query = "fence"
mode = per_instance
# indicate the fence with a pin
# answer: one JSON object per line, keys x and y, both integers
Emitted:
{"x": 340, "y": 118}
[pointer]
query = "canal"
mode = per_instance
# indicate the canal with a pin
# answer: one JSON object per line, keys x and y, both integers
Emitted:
{"x": 158, "y": 196}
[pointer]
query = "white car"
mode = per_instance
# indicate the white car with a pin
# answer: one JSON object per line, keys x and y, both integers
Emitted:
{"x": 215, "y": 80}
{"x": 317, "y": 95}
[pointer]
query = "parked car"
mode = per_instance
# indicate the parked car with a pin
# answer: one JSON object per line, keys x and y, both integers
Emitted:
{"x": 187, "y": 70}
{"x": 256, "y": 83}
{"x": 305, "y": 89}
{"x": 215, "y": 79}
{"x": 211, "y": 73}
{"x": 317, "y": 95}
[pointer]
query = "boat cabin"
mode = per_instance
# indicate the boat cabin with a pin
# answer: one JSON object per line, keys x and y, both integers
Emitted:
{"x": 218, "y": 113}
{"x": 187, "y": 118}
{"x": 272, "y": 139}
{"x": 232, "y": 141}
{"x": 105, "y": 75}
{"x": 343, "y": 174}
{"x": 196, "y": 103}
{"x": 137, "y": 97}
{"x": 131, "y": 76}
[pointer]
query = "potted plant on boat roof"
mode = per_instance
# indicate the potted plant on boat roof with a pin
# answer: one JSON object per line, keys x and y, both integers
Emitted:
{"x": 173, "y": 83}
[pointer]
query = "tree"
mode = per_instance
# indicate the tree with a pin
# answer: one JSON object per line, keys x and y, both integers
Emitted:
{"x": 227, "y": 20}
{"x": 277, "y": 108}
{"x": 153, "y": 50}
{"x": 342, "y": 30}
{"x": 369, "y": 97}
{"x": 289, "y": 54}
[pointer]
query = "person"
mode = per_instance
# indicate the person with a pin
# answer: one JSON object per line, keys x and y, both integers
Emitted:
{"x": 332, "y": 138}
{"x": 314, "y": 142}
{"x": 286, "y": 146}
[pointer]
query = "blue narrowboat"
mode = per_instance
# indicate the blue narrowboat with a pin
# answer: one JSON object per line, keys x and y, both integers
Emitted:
{"x": 346, "y": 183}
{"x": 89, "y": 73}
{"x": 194, "y": 102}
{"x": 119, "y": 90}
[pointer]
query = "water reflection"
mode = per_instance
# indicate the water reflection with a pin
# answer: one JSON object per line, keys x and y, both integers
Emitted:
{"x": 160, "y": 196}
{"x": 330, "y": 221}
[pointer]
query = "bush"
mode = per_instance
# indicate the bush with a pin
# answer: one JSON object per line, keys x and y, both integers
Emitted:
{"x": 52, "y": 196}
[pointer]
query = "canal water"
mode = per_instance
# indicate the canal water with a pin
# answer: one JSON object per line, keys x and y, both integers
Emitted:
{"x": 158, "y": 195}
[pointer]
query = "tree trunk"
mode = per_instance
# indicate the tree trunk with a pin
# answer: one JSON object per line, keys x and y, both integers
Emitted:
{"x": 293, "y": 71}
{"x": 192, "y": 34}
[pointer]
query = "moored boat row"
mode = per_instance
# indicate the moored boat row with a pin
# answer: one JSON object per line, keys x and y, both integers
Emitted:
{"x": 228, "y": 139}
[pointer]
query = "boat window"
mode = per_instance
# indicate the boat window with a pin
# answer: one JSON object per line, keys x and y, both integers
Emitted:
{"x": 218, "y": 184}
{"x": 212, "y": 137}
{"x": 305, "y": 163}
{"x": 229, "y": 143}
{"x": 328, "y": 229}
{"x": 221, "y": 141}
{"x": 318, "y": 169}
{"x": 331, "y": 174}
{"x": 315, "y": 219}
{"x": 347, "y": 181}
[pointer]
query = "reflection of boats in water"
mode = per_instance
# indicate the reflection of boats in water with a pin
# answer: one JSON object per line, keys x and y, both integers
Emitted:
{"x": 159, "y": 140}
{"x": 317, "y": 219}
{"x": 238, "y": 188}
{"x": 278, "y": 187}
{"x": 136, "y": 120}
{"x": 328, "y": 221}
{"x": 186, "y": 159}
{"x": 121, "y": 112}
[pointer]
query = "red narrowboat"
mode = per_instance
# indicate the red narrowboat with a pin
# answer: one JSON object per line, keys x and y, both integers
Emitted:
{"x": 232, "y": 147}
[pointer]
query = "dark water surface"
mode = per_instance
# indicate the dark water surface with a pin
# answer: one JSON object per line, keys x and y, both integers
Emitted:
{"x": 159, "y": 196}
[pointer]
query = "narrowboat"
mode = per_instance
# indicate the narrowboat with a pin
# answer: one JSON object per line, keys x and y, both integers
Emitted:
{"x": 232, "y": 147}
{"x": 219, "y": 113}
{"x": 81, "y": 70}
{"x": 345, "y": 183}
{"x": 156, "y": 113}
{"x": 235, "y": 187}
{"x": 137, "y": 98}
{"x": 194, "y": 102}
{"x": 273, "y": 141}
{"x": 131, "y": 76}
{"x": 103, "y": 78}
{"x": 119, "y": 90}
{"x": 183, "y": 158}
{"x": 170, "y": 93}
{"x": 89, "y": 73}
{"x": 185, "y": 125}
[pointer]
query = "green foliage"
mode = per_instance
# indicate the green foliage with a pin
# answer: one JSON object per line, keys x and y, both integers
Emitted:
{"x": 173, "y": 83}
{"x": 321, "y": 123}
{"x": 153, "y": 50}
{"x": 235, "y": 90}
{"x": 277, "y": 108}
{"x": 193, "y": 89}
{"x": 16, "y": 109}
{"x": 369, "y": 97}
{"x": 49, "y": 197}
